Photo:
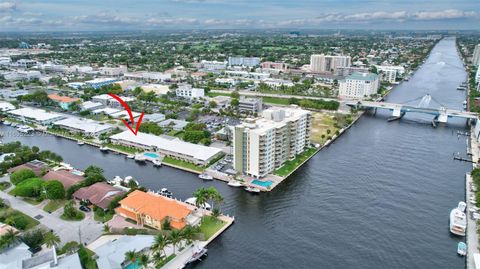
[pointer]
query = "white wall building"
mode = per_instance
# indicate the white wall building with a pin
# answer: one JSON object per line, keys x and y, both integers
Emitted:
{"x": 243, "y": 61}
{"x": 84, "y": 126}
{"x": 187, "y": 91}
{"x": 328, "y": 63}
{"x": 476, "y": 55}
{"x": 262, "y": 145}
{"x": 359, "y": 85}
{"x": 213, "y": 65}
{"x": 113, "y": 71}
{"x": 22, "y": 75}
{"x": 35, "y": 115}
{"x": 389, "y": 75}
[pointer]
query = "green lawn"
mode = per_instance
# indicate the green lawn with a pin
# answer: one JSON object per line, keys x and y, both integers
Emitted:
{"x": 10, "y": 213}
{"x": 210, "y": 226}
{"x": 4, "y": 185}
{"x": 183, "y": 164}
{"x": 169, "y": 258}
{"x": 122, "y": 148}
{"x": 33, "y": 200}
{"x": 289, "y": 166}
{"x": 213, "y": 94}
{"x": 53, "y": 205}
{"x": 276, "y": 100}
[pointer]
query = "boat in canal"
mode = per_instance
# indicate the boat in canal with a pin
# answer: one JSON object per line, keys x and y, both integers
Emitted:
{"x": 205, "y": 176}
{"x": 157, "y": 163}
{"x": 197, "y": 255}
{"x": 25, "y": 129}
{"x": 80, "y": 143}
{"x": 193, "y": 201}
{"x": 103, "y": 149}
{"x": 462, "y": 249}
{"x": 140, "y": 158}
{"x": 252, "y": 189}
{"x": 234, "y": 183}
{"x": 130, "y": 156}
{"x": 458, "y": 219}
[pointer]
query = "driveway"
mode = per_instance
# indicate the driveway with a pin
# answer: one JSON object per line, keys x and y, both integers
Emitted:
{"x": 84, "y": 231}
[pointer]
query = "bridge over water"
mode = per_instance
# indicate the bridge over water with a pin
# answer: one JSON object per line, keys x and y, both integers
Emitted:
{"x": 441, "y": 113}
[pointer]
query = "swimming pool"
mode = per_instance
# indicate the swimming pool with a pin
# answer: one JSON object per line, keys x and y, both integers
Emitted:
{"x": 133, "y": 265}
{"x": 151, "y": 155}
{"x": 262, "y": 183}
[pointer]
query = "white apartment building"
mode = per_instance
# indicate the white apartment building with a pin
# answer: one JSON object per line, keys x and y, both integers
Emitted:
{"x": 389, "y": 75}
{"x": 22, "y": 75}
{"x": 213, "y": 65}
{"x": 359, "y": 85}
{"x": 328, "y": 63}
{"x": 399, "y": 69}
{"x": 262, "y": 145}
{"x": 477, "y": 75}
{"x": 243, "y": 61}
{"x": 250, "y": 105}
{"x": 187, "y": 91}
{"x": 5, "y": 60}
{"x": 148, "y": 76}
{"x": 476, "y": 55}
{"x": 113, "y": 71}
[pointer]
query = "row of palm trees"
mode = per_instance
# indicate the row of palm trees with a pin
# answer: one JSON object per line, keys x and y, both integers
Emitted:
{"x": 50, "y": 239}
{"x": 175, "y": 238}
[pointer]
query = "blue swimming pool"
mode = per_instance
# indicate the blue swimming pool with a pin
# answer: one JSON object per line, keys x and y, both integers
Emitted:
{"x": 151, "y": 155}
{"x": 262, "y": 183}
{"x": 133, "y": 265}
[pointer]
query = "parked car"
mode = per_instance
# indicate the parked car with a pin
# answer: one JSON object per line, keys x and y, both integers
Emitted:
{"x": 85, "y": 208}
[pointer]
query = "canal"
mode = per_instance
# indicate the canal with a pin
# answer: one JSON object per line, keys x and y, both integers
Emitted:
{"x": 379, "y": 197}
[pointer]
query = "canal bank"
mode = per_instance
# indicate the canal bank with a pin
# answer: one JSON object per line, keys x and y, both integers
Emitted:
{"x": 377, "y": 198}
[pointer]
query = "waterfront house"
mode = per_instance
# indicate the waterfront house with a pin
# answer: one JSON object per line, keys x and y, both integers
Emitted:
{"x": 35, "y": 115}
{"x": 63, "y": 101}
{"x": 67, "y": 178}
{"x": 38, "y": 167}
{"x": 99, "y": 194}
{"x": 152, "y": 210}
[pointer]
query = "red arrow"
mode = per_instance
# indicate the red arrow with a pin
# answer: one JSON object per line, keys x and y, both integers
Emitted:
{"x": 127, "y": 108}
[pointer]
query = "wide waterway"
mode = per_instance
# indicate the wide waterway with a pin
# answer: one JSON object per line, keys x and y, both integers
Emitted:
{"x": 379, "y": 197}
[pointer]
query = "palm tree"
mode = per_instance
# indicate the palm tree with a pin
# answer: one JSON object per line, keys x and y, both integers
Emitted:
{"x": 9, "y": 237}
{"x": 201, "y": 196}
{"x": 106, "y": 228}
{"x": 131, "y": 256}
{"x": 215, "y": 212}
{"x": 175, "y": 237}
{"x": 51, "y": 239}
{"x": 143, "y": 260}
{"x": 159, "y": 244}
{"x": 188, "y": 233}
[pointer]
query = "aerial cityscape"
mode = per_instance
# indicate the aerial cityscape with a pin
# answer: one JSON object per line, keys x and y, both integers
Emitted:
{"x": 239, "y": 134}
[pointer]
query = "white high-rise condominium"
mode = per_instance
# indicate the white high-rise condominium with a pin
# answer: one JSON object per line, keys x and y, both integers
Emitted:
{"x": 359, "y": 85}
{"x": 328, "y": 63}
{"x": 476, "y": 55}
{"x": 264, "y": 144}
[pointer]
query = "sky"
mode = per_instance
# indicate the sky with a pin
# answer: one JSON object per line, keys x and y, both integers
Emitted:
{"x": 91, "y": 15}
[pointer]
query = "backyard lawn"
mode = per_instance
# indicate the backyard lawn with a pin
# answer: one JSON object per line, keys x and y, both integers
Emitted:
{"x": 289, "y": 166}
{"x": 17, "y": 219}
{"x": 210, "y": 226}
{"x": 182, "y": 164}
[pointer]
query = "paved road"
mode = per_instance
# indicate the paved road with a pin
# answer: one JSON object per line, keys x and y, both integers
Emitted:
{"x": 88, "y": 228}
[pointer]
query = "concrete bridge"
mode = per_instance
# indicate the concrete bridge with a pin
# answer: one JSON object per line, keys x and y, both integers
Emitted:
{"x": 441, "y": 114}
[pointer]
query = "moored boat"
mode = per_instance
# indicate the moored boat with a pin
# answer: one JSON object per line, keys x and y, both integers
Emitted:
{"x": 130, "y": 156}
{"x": 458, "y": 219}
{"x": 80, "y": 143}
{"x": 252, "y": 189}
{"x": 193, "y": 201}
{"x": 157, "y": 163}
{"x": 140, "y": 158}
{"x": 197, "y": 255}
{"x": 462, "y": 249}
{"x": 205, "y": 176}
{"x": 234, "y": 183}
{"x": 104, "y": 149}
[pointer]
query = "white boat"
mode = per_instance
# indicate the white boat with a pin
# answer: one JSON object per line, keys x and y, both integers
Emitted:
{"x": 192, "y": 201}
{"x": 205, "y": 176}
{"x": 252, "y": 189}
{"x": 7, "y": 123}
{"x": 24, "y": 129}
{"x": 458, "y": 219}
{"x": 130, "y": 156}
{"x": 462, "y": 249}
{"x": 104, "y": 149}
{"x": 197, "y": 255}
{"x": 157, "y": 163}
{"x": 80, "y": 143}
{"x": 14, "y": 124}
{"x": 234, "y": 183}
{"x": 140, "y": 158}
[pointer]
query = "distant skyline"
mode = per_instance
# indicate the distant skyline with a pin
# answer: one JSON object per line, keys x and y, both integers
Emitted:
{"x": 87, "y": 15}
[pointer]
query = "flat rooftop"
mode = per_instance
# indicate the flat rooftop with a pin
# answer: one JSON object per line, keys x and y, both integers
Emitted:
{"x": 36, "y": 114}
{"x": 195, "y": 151}
{"x": 85, "y": 125}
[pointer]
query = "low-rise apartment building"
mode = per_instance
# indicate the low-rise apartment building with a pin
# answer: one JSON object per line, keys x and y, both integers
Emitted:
{"x": 359, "y": 85}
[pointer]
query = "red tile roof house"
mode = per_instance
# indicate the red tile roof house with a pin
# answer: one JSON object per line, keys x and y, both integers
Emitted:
{"x": 38, "y": 167}
{"x": 67, "y": 178}
{"x": 99, "y": 194}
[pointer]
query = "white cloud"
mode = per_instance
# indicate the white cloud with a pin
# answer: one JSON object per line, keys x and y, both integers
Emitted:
{"x": 7, "y": 6}
{"x": 444, "y": 14}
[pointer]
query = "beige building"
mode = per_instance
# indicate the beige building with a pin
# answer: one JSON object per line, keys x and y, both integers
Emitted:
{"x": 264, "y": 144}
{"x": 328, "y": 63}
